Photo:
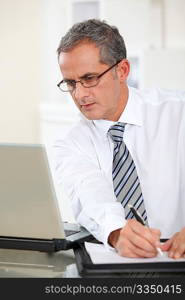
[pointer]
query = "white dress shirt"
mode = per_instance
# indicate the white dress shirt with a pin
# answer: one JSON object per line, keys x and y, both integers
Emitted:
{"x": 155, "y": 137}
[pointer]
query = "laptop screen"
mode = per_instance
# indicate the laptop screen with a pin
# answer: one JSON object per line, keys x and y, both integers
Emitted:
{"x": 28, "y": 204}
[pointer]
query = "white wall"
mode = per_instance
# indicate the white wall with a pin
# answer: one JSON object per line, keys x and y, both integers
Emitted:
{"x": 140, "y": 22}
{"x": 163, "y": 68}
{"x": 19, "y": 70}
{"x": 154, "y": 30}
{"x": 175, "y": 24}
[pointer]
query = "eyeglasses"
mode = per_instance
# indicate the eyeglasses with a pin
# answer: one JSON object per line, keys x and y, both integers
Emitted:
{"x": 69, "y": 85}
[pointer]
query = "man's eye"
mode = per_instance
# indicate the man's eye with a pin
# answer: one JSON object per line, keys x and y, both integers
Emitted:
{"x": 70, "y": 82}
{"x": 90, "y": 78}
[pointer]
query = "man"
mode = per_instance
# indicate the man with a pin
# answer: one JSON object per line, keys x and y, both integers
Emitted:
{"x": 144, "y": 167}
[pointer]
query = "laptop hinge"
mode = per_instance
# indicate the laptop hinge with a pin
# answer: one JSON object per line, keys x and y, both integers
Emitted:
{"x": 63, "y": 244}
{"x": 27, "y": 244}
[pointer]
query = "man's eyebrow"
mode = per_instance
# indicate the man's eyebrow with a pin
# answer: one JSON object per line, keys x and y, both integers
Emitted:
{"x": 82, "y": 77}
{"x": 68, "y": 79}
{"x": 88, "y": 74}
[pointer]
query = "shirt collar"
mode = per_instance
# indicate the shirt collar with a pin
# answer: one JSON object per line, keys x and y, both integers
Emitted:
{"x": 132, "y": 113}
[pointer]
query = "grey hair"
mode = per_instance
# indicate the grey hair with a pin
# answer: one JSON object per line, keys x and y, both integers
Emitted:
{"x": 107, "y": 38}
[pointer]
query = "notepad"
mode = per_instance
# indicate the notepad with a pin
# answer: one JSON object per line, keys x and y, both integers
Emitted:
{"x": 101, "y": 255}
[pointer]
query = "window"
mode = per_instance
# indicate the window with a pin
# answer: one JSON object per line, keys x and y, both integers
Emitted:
{"x": 83, "y": 10}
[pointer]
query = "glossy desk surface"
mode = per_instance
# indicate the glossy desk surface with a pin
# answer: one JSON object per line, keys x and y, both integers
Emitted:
{"x": 24, "y": 263}
{"x": 34, "y": 264}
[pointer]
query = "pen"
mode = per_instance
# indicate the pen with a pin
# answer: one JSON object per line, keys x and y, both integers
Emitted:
{"x": 140, "y": 219}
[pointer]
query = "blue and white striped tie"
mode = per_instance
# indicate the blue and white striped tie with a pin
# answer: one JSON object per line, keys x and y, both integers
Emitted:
{"x": 125, "y": 179}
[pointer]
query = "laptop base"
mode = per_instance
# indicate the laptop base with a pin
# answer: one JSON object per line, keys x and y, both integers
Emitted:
{"x": 42, "y": 245}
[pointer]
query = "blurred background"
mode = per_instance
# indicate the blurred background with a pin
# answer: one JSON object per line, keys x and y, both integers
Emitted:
{"x": 32, "y": 109}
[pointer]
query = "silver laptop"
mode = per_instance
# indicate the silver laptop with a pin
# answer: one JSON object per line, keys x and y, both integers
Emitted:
{"x": 29, "y": 213}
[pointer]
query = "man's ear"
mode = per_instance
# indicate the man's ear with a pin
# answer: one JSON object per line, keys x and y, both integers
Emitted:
{"x": 123, "y": 69}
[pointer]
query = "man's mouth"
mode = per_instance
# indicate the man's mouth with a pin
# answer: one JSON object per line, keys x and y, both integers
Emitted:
{"x": 88, "y": 105}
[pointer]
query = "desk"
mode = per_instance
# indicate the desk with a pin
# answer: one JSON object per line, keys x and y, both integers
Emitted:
{"x": 34, "y": 264}
{"x": 24, "y": 263}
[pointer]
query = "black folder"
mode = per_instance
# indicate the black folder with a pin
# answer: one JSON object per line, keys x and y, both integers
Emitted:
{"x": 87, "y": 268}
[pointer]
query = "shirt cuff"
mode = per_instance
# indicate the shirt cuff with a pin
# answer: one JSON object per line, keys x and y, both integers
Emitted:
{"x": 114, "y": 219}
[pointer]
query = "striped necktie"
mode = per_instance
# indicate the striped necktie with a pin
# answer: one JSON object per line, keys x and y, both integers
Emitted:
{"x": 125, "y": 179}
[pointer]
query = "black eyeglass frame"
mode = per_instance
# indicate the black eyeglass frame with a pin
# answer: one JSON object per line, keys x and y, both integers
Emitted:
{"x": 97, "y": 78}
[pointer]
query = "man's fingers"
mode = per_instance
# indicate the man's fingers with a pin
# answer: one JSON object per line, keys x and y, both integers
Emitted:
{"x": 176, "y": 245}
{"x": 141, "y": 243}
{"x": 177, "y": 252}
{"x": 166, "y": 246}
{"x": 151, "y": 239}
{"x": 136, "y": 240}
{"x": 132, "y": 251}
{"x": 177, "y": 249}
{"x": 140, "y": 236}
{"x": 156, "y": 232}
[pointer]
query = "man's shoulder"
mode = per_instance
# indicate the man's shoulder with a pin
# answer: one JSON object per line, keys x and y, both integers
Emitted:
{"x": 158, "y": 96}
{"x": 159, "y": 104}
{"x": 162, "y": 106}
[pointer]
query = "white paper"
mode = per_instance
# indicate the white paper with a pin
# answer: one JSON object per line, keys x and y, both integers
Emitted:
{"x": 100, "y": 255}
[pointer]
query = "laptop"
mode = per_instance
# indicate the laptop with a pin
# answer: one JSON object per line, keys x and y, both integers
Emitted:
{"x": 30, "y": 217}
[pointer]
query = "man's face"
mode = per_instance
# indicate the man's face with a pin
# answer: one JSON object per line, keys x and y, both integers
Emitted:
{"x": 105, "y": 100}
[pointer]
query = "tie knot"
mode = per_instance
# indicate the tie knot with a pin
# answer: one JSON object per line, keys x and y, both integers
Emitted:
{"x": 116, "y": 132}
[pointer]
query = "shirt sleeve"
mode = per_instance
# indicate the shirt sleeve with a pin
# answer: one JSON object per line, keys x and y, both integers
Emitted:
{"x": 92, "y": 197}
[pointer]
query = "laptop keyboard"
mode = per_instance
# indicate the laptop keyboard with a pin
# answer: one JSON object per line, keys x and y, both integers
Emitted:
{"x": 69, "y": 232}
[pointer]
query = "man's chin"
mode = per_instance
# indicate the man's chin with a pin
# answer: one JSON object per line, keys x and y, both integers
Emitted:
{"x": 91, "y": 116}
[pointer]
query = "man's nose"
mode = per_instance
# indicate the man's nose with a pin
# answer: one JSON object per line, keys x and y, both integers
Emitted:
{"x": 80, "y": 91}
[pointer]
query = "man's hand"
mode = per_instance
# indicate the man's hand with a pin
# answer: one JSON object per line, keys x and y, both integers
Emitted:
{"x": 135, "y": 240}
{"x": 176, "y": 245}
